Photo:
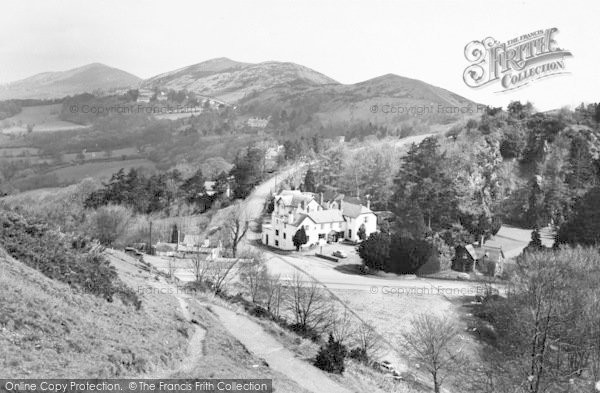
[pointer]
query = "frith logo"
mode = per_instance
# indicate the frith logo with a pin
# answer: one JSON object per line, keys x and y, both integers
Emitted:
{"x": 516, "y": 62}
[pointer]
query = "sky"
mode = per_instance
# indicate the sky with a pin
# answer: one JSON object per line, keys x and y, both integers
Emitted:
{"x": 350, "y": 41}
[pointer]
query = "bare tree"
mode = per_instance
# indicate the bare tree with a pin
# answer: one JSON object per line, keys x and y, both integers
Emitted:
{"x": 431, "y": 344}
{"x": 235, "y": 227}
{"x": 220, "y": 273}
{"x": 273, "y": 294}
{"x": 367, "y": 339}
{"x": 171, "y": 268}
{"x": 253, "y": 275}
{"x": 341, "y": 327}
{"x": 200, "y": 267}
{"x": 309, "y": 304}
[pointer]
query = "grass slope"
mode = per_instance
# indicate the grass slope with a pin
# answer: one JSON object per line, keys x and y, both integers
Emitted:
{"x": 48, "y": 329}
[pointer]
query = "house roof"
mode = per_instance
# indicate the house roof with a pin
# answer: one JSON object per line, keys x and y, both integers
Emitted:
{"x": 471, "y": 250}
{"x": 324, "y": 216}
{"x": 354, "y": 210}
{"x": 320, "y": 217}
{"x": 491, "y": 253}
{"x": 165, "y": 247}
{"x": 294, "y": 197}
{"x": 299, "y": 219}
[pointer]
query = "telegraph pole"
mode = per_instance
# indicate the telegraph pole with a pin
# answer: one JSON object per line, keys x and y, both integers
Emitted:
{"x": 150, "y": 244}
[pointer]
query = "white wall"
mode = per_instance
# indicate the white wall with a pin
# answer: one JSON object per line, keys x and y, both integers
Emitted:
{"x": 368, "y": 219}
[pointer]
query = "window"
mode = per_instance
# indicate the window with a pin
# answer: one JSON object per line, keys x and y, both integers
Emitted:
{"x": 306, "y": 227}
{"x": 277, "y": 243}
{"x": 321, "y": 236}
{"x": 276, "y": 232}
{"x": 366, "y": 219}
{"x": 284, "y": 235}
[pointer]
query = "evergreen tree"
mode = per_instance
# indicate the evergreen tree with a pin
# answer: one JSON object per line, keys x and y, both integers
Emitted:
{"x": 425, "y": 185}
{"x": 174, "y": 234}
{"x": 362, "y": 233}
{"x": 581, "y": 165}
{"x": 309, "y": 181}
{"x": 193, "y": 188}
{"x": 299, "y": 238}
{"x": 331, "y": 356}
{"x": 534, "y": 214}
{"x": 583, "y": 227}
{"x": 375, "y": 250}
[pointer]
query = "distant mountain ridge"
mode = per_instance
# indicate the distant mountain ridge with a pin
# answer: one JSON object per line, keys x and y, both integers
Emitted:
{"x": 88, "y": 78}
{"x": 268, "y": 87}
{"x": 262, "y": 89}
{"x": 231, "y": 81}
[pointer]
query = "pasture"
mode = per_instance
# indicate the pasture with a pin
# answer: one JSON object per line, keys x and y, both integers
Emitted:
{"x": 98, "y": 170}
{"x": 44, "y": 118}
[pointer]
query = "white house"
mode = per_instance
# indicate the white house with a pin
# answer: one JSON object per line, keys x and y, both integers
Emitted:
{"x": 322, "y": 221}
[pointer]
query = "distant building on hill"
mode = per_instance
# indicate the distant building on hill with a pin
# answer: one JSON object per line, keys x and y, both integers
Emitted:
{"x": 257, "y": 122}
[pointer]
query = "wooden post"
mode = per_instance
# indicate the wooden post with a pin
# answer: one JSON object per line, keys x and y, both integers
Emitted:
{"x": 150, "y": 245}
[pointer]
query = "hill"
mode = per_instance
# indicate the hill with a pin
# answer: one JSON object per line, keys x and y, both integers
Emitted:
{"x": 266, "y": 89}
{"x": 84, "y": 79}
{"x": 388, "y": 100}
{"x": 48, "y": 328}
{"x": 230, "y": 81}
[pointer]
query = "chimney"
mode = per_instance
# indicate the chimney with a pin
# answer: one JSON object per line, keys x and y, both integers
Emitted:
{"x": 369, "y": 203}
{"x": 321, "y": 202}
{"x": 291, "y": 217}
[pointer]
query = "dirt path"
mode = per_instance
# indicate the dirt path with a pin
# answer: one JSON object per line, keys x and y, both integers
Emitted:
{"x": 196, "y": 342}
{"x": 263, "y": 345}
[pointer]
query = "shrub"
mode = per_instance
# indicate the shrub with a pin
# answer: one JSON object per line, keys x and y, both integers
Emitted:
{"x": 109, "y": 222}
{"x": 305, "y": 331}
{"x": 408, "y": 255}
{"x": 331, "y": 356}
{"x": 69, "y": 259}
{"x": 359, "y": 354}
{"x": 375, "y": 250}
{"x": 399, "y": 254}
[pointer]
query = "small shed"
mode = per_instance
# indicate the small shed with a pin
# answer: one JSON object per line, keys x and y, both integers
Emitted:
{"x": 485, "y": 259}
{"x": 464, "y": 259}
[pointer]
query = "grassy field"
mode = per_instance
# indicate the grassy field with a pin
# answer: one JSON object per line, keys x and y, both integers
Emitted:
{"x": 98, "y": 170}
{"x": 18, "y": 151}
{"x": 45, "y": 118}
{"x": 115, "y": 154}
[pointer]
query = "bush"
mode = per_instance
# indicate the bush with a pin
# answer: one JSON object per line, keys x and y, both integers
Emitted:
{"x": 375, "y": 250}
{"x": 305, "y": 331}
{"x": 408, "y": 255}
{"x": 359, "y": 354}
{"x": 108, "y": 223}
{"x": 331, "y": 356}
{"x": 398, "y": 254}
{"x": 69, "y": 259}
{"x": 511, "y": 145}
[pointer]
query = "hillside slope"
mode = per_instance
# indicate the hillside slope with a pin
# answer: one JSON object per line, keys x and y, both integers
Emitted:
{"x": 47, "y": 328}
{"x": 386, "y": 100}
{"x": 75, "y": 81}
